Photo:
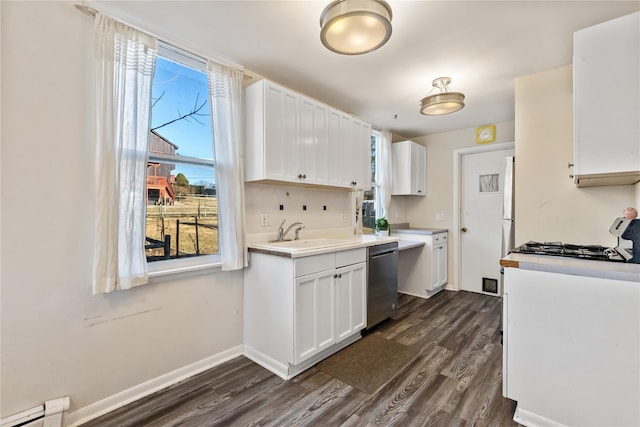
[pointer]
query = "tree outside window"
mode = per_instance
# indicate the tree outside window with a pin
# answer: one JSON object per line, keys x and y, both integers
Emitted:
{"x": 182, "y": 207}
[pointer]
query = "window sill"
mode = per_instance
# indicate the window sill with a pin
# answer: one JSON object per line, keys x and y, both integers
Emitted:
{"x": 173, "y": 267}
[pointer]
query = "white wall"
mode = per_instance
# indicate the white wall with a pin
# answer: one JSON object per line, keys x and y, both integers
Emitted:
{"x": 548, "y": 205}
{"x": 421, "y": 211}
{"x": 56, "y": 338}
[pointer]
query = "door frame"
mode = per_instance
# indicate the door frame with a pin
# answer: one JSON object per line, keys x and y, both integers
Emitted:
{"x": 457, "y": 199}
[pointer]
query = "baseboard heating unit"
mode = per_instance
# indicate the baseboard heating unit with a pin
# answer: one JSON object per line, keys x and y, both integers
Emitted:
{"x": 47, "y": 415}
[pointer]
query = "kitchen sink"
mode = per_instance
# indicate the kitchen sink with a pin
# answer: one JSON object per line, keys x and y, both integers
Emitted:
{"x": 303, "y": 244}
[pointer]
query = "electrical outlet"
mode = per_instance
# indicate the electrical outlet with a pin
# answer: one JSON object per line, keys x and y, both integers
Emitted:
{"x": 265, "y": 220}
{"x": 343, "y": 218}
{"x": 439, "y": 216}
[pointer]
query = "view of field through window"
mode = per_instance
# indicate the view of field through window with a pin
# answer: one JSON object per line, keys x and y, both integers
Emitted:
{"x": 182, "y": 204}
{"x": 369, "y": 202}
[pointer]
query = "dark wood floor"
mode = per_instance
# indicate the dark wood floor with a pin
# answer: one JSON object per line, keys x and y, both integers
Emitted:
{"x": 455, "y": 381}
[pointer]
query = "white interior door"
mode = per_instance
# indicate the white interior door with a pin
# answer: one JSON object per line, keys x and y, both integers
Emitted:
{"x": 481, "y": 186}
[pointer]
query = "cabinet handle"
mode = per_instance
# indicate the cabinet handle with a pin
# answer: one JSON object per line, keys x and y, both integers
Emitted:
{"x": 335, "y": 276}
{"x": 300, "y": 176}
{"x": 463, "y": 229}
{"x": 569, "y": 165}
{"x": 304, "y": 176}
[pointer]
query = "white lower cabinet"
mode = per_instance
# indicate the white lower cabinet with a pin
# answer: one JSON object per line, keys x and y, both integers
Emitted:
{"x": 351, "y": 295}
{"x": 299, "y": 311}
{"x": 439, "y": 262}
{"x": 571, "y": 346}
{"x": 315, "y": 314}
{"x": 422, "y": 271}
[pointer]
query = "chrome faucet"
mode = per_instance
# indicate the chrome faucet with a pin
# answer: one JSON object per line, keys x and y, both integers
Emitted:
{"x": 282, "y": 233}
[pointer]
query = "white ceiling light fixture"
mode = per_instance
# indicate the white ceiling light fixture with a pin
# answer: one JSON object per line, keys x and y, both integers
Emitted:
{"x": 444, "y": 102}
{"x": 354, "y": 27}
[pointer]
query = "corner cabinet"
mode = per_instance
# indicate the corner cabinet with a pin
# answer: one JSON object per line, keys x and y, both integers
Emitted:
{"x": 606, "y": 80}
{"x": 409, "y": 169}
{"x": 299, "y": 311}
{"x": 293, "y": 138}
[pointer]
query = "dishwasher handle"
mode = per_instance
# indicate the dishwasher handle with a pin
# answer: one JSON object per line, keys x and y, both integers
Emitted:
{"x": 381, "y": 254}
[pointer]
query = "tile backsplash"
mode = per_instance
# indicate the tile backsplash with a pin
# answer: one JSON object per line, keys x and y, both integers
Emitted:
{"x": 267, "y": 205}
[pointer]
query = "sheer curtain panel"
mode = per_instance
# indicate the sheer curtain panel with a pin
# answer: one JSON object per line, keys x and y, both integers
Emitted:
{"x": 125, "y": 60}
{"x": 385, "y": 172}
{"x": 225, "y": 94}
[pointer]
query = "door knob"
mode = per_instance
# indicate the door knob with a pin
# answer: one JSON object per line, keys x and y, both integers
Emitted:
{"x": 463, "y": 229}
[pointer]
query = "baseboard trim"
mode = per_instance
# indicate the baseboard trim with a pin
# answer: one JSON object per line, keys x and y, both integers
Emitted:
{"x": 529, "y": 419}
{"x": 118, "y": 400}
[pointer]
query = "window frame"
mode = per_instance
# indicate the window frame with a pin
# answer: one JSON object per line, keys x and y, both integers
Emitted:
{"x": 377, "y": 202}
{"x": 193, "y": 263}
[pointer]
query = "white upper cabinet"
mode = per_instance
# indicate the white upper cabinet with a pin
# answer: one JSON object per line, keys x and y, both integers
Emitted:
{"x": 606, "y": 84}
{"x": 359, "y": 157}
{"x": 293, "y": 138}
{"x": 314, "y": 142}
{"x": 272, "y": 117}
{"x": 409, "y": 169}
{"x": 339, "y": 133}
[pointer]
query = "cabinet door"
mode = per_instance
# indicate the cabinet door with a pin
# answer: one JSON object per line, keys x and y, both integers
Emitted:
{"x": 340, "y": 167}
{"x": 409, "y": 169}
{"x": 314, "y": 149}
{"x": 440, "y": 264}
{"x": 350, "y": 300}
{"x": 314, "y": 327}
{"x": 607, "y": 97}
{"x": 360, "y": 154}
{"x": 418, "y": 169}
{"x": 282, "y": 136}
{"x": 335, "y": 149}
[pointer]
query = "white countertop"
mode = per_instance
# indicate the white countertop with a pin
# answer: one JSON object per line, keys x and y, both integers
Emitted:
{"x": 418, "y": 230}
{"x": 574, "y": 266}
{"x": 361, "y": 241}
{"x": 409, "y": 244}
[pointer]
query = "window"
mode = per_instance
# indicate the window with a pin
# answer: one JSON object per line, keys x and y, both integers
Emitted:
{"x": 182, "y": 208}
{"x": 371, "y": 195}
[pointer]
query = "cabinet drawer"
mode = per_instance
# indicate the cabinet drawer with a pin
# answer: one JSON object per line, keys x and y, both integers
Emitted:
{"x": 314, "y": 264}
{"x": 352, "y": 256}
{"x": 440, "y": 238}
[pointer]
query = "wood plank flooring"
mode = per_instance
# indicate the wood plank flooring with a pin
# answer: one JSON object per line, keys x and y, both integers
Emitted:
{"x": 456, "y": 380}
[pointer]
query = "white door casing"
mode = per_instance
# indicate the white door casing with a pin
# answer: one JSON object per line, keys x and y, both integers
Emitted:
{"x": 478, "y": 250}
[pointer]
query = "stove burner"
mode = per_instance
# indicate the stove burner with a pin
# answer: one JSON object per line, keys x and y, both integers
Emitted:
{"x": 593, "y": 252}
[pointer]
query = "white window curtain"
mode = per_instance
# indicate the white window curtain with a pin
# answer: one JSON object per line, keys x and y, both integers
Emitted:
{"x": 225, "y": 95}
{"x": 125, "y": 60}
{"x": 384, "y": 170}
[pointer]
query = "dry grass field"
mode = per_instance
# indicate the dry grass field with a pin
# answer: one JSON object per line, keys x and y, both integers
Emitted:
{"x": 179, "y": 221}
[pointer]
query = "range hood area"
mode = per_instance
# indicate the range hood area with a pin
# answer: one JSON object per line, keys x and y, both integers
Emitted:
{"x": 605, "y": 179}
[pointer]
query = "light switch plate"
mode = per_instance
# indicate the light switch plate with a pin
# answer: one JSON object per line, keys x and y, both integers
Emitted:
{"x": 265, "y": 220}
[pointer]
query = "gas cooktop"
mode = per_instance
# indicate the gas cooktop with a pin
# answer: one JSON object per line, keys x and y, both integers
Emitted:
{"x": 592, "y": 252}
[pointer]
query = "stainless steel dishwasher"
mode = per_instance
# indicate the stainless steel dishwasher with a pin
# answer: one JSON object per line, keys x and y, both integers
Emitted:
{"x": 382, "y": 282}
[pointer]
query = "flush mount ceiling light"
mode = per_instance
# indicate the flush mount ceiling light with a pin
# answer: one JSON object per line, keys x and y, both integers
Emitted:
{"x": 444, "y": 102}
{"x": 353, "y": 27}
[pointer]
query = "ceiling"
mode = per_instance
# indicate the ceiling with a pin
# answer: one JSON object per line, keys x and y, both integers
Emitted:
{"x": 482, "y": 45}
